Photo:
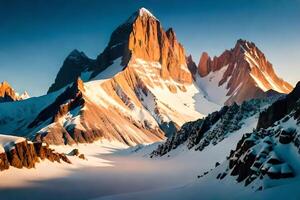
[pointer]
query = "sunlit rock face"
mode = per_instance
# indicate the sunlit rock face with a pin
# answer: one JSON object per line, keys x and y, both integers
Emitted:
{"x": 8, "y": 94}
{"x": 246, "y": 73}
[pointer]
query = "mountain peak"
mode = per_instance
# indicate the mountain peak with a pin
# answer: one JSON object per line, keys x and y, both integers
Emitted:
{"x": 75, "y": 54}
{"x": 4, "y": 84}
{"x": 24, "y": 95}
{"x": 145, "y": 12}
{"x": 242, "y": 68}
{"x": 7, "y": 93}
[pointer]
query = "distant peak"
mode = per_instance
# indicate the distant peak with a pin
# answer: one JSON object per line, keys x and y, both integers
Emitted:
{"x": 241, "y": 41}
{"x": 5, "y": 84}
{"x": 24, "y": 96}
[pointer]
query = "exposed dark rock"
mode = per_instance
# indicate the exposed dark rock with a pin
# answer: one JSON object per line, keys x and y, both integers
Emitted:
{"x": 74, "y": 152}
{"x": 279, "y": 109}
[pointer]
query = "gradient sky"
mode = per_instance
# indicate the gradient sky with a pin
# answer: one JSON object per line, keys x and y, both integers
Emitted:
{"x": 36, "y": 35}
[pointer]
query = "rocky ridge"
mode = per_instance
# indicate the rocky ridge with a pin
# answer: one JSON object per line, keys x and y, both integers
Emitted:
{"x": 21, "y": 153}
{"x": 212, "y": 129}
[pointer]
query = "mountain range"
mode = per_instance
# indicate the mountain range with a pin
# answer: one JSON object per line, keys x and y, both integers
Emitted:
{"x": 143, "y": 89}
{"x": 142, "y": 81}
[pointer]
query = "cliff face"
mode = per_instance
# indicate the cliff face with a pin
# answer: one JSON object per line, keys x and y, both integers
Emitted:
{"x": 246, "y": 73}
{"x": 148, "y": 41}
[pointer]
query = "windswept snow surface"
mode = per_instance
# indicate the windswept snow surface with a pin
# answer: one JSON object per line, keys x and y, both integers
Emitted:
{"x": 209, "y": 187}
{"x": 113, "y": 169}
{"x": 212, "y": 91}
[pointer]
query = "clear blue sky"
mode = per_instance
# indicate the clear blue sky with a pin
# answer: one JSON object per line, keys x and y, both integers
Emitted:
{"x": 36, "y": 35}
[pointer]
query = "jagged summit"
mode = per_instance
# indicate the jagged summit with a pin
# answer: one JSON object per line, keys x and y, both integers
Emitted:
{"x": 25, "y": 95}
{"x": 243, "y": 72}
{"x": 145, "y": 12}
{"x": 140, "y": 37}
{"x": 142, "y": 12}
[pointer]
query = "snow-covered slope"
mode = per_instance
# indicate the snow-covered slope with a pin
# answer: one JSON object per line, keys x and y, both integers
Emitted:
{"x": 15, "y": 117}
{"x": 265, "y": 162}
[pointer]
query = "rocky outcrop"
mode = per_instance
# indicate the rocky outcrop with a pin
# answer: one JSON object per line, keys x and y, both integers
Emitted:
{"x": 255, "y": 158}
{"x": 246, "y": 73}
{"x": 22, "y": 154}
{"x": 25, "y": 154}
{"x": 44, "y": 152}
{"x": 75, "y": 152}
